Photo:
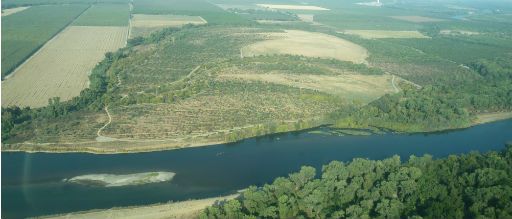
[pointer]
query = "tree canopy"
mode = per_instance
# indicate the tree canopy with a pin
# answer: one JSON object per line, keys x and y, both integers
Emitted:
{"x": 468, "y": 186}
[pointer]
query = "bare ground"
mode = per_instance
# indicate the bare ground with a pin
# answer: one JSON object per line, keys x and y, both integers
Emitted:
{"x": 309, "y": 44}
{"x": 61, "y": 67}
{"x": 184, "y": 209}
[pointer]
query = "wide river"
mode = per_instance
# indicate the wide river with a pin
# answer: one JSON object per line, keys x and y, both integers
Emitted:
{"x": 32, "y": 183}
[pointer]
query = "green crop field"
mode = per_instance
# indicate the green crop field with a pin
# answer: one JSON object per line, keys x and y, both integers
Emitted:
{"x": 105, "y": 15}
{"x": 208, "y": 11}
{"x": 19, "y": 3}
{"x": 25, "y": 32}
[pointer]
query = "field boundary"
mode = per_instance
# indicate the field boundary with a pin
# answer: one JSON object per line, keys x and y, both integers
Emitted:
{"x": 38, "y": 49}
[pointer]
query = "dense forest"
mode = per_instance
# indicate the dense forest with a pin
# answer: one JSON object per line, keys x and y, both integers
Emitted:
{"x": 467, "y": 186}
{"x": 436, "y": 107}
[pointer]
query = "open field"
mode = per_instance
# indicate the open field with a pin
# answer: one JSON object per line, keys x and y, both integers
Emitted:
{"x": 351, "y": 87}
{"x": 417, "y": 19}
{"x": 293, "y": 7}
{"x": 380, "y": 34}
{"x": 309, "y": 44}
{"x": 183, "y": 209}
{"x": 10, "y": 11}
{"x": 104, "y": 15}
{"x": 144, "y": 24}
{"x": 458, "y": 32}
{"x": 23, "y": 33}
{"x": 306, "y": 17}
{"x": 61, "y": 67}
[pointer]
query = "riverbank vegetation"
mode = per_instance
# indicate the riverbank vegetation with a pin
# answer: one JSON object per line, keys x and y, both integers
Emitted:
{"x": 195, "y": 84}
{"x": 437, "y": 107}
{"x": 466, "y": 186}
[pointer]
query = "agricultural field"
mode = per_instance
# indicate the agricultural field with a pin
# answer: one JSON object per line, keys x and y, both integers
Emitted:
{"x": 383, "y": 34}
{"x": 104, "y": 15}
{"x": 309, "y": 44}
{"x": 23, "y": 33}
{"x": 253, "y": 70}
{"x": 210, "y": 12}
{"x": 144, "y": 24}
{"x": 10, "y": 11}
{"x": 61, "y": 67}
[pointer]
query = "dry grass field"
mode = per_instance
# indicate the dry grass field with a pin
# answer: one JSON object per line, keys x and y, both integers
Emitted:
{"x": 380, "y": 34}
{"x": 306, "y": 17}
{"x": 364, "y": 88}
{"x": 10, "y": 11}
{"x": 61, "y": 67}
{"x": 308, "y": 44}
{"x": 144, "y": 24}
{"x": 417, "y": 19}
{"x": 293, "y": 7}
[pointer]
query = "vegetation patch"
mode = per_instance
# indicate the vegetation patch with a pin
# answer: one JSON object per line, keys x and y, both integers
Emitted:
{"x": 363, "y": 88}
{"x": 379, "y": 34}
{"x": 474, "y": 185}
{"x": 308, "y": 44}
{"x": 417, "y": 19}
{"x": 104, "y": 15}
{"x": 144, "y": 24}
{"x": 61, "y": 67}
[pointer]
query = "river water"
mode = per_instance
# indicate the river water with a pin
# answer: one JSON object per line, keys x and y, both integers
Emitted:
{"x": 32, "y": 183}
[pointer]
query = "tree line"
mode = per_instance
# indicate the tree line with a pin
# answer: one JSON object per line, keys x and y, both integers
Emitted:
{"x": 437, "y": 107}
{"x": 473, "y": 185}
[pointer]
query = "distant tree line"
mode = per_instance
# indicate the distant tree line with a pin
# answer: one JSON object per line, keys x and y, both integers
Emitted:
{"x": 468, "y": 186}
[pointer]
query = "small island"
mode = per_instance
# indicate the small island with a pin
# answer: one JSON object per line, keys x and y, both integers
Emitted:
{"x": 113, "y": 180}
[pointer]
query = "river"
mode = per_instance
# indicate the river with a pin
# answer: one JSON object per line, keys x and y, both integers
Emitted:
{"x": 32, "y": 183}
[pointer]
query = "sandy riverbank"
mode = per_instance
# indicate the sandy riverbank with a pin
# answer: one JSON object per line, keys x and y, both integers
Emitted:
{"x": 492, "y": 117}
{"x": 184, "y": 209}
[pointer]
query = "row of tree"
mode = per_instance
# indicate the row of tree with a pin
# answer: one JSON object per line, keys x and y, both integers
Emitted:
{"x": 468, "y": 186}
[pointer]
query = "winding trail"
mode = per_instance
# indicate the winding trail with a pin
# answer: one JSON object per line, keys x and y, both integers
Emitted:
{"x": 100, "y": 137}
{"x": 393, "y": 83}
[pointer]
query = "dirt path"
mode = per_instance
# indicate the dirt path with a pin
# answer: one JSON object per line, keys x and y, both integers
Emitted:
{"x": 100, "y": 137}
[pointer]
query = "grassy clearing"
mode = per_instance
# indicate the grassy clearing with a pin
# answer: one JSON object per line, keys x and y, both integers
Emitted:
{"x": 380, "y": 34}
{"x": 104, "y": 15}
{"x": 61, "y": 67}
{"x": 10, "y": 11}
{"x": 23, "y": 33}
{"x": 417, "y": 19}
{"x": 293, "y": 7}
{"x": 144, "y": 25}
{"x": 364, "y": 88}
{"x": 308, "y": 44}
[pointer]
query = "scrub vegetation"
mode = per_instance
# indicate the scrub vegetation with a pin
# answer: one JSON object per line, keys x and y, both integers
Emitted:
{"x": 220, "y": 76}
